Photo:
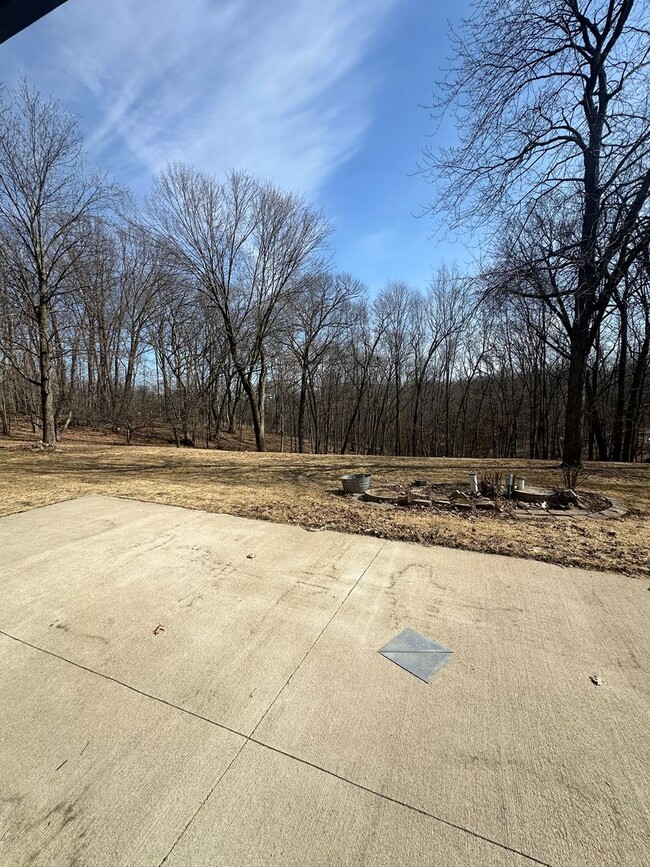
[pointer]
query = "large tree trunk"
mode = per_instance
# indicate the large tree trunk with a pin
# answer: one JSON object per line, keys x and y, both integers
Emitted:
{"x": 621, "y": 376}
{"x": 302, "y": 409}
{"x": 575, "y": 403}
{"x": 45, "y": 366}
{"x": 587, "y": 282}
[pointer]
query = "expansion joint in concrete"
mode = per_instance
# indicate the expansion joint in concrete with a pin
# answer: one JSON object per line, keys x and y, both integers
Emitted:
{"x": 250, "y": 738}
{"x": 261, "y": 719}
{"x": 316, "y": 640}
{"x": 530, "y": 858}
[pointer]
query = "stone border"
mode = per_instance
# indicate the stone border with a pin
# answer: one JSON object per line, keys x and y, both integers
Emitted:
{"x": 614, "y": 511}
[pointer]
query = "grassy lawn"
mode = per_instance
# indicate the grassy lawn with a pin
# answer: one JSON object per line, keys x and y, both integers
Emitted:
{"x": 303, "y": 489}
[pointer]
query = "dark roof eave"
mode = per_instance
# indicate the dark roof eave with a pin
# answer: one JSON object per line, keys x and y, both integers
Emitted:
{"x": 15, "y": 15}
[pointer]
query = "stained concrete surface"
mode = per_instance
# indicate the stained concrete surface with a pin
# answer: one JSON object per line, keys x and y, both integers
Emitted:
{"x": 260, "y": 725}
{"x": 511, "y": 739}
{"x": 92, "y": 773}
{"x": 234, "y": 627}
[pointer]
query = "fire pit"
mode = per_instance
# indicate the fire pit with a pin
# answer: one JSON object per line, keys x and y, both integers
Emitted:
{"x": 506, "y": 500}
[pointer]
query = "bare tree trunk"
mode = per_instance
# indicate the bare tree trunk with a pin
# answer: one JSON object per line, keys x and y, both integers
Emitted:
{"x": 256, "y": 416}
{"x": 4, "y": 415}
{"x": 635, "y": 397}
{"x": 575, "y": 402}
{"x": 596, "y": 423}
{"x": 302, "y": 408}
{"x": 621, "y": 376}
{"x": 260, "y": 427}
{"x": 315, "y": 417}
{"x": 398, "y": 396}
{"x": 353, "y": 417}
{"x": 45, "y": 370}
{"x": 417, "y": 398}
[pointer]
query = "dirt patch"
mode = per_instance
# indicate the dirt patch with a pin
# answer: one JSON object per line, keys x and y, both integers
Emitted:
{"x": 303, "y": 489}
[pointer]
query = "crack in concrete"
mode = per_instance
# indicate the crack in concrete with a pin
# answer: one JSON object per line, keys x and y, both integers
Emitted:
{"x": 121, "y": 683}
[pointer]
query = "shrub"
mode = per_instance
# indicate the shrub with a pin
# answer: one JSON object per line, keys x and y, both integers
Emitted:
{"x": 570, "y": 475}
{"x": 489, "y": 485}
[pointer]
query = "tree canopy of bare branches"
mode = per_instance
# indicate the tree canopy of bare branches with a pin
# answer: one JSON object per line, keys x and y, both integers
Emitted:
{"x": 216, "y": 308}
{"x": 47, "y": 198}
{"x": 246, "y": 244}
{"x": 552, "y": 103}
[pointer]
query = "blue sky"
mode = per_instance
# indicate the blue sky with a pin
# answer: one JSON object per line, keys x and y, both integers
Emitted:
{"x": 321, "y": 97}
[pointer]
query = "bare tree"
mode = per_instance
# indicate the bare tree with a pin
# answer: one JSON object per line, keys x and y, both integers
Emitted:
{"x": 319, "y": 314}
{"x": 363, "y": 345}
{"x": 46, "y": 198}
{"x": 395, "y": 304}
{"x": 634, "y": 306}
{"x": 246, "y": 244}
{"x": 552, "y": 103}
{"x": 438, "y": 316}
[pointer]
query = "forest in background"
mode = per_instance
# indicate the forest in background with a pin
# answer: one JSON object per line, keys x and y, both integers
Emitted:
{"x": 216, "y": 304}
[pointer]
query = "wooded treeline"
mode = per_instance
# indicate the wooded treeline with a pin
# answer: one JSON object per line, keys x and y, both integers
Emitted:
{"x": 552, "y": 163}
{"x": 215, "y": 305}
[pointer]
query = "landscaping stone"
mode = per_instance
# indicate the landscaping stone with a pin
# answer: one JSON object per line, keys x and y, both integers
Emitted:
{"x": 533, "y": 495}
{"x": 614, "y": 511}
{"x": 569, "y": 513}
{"x": 379, "y": 496}
{"x": 531, "y": 502}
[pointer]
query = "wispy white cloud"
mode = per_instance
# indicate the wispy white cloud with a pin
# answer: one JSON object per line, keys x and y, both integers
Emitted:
{"x": 278, "y": 88}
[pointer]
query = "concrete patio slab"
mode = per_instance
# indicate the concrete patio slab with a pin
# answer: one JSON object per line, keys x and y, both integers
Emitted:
{"x": 333, "y": 754}
{"x": 234, "y": 626}
{"x": 270, "y": 809}
{"x": 511, "y": 738}
{"x": 92, "y": 773}
{"x": 77, "y": 526}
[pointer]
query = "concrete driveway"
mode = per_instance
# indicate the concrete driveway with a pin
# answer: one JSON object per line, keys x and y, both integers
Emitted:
{"x": 185, "y": 688}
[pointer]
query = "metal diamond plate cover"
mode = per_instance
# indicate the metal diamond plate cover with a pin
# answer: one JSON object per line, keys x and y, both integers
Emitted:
{"x": 417, "y": 654}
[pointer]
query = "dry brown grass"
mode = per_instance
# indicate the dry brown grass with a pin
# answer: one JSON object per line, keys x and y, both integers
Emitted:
{"x": 303, "y": 489}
